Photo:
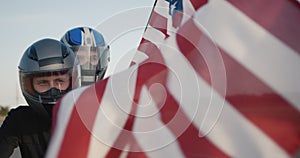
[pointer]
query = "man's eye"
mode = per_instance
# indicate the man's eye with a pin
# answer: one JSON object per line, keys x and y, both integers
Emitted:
{"x": 42, "y": 83}
{"x": 60, "y": 81}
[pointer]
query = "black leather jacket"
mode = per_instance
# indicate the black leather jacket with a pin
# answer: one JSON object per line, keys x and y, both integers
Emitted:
{"x": 25, "y": 128}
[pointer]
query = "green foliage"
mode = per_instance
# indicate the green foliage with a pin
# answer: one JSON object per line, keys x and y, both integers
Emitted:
{"x": 4, "y": 110}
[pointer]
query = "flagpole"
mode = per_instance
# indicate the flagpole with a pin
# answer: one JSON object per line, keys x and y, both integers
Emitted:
{"x": 150, "y": 15}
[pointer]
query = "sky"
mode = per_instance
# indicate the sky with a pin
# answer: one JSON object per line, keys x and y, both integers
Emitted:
{"x": 22, "y": 23}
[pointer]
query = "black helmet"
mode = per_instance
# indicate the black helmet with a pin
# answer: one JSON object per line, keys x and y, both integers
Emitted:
{"x": 44, "y": 58}
{"x": 91, "y": 50}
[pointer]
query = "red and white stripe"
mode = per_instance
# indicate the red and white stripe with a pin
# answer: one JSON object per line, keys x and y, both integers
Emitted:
{"x": 225, "y": 84}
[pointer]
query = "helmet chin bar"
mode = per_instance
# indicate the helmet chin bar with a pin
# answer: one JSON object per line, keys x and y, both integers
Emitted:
{"x": 53, "y": 102}
{"x": 99, "y": 74}
{"x": 87, "y": 76}
{"x": 40, "y": 102}
{"x": 52, "y": 95}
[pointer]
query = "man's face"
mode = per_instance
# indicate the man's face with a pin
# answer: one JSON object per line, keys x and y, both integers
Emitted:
{"x": 44, "y": 83}
{"x": 87, "y": 56}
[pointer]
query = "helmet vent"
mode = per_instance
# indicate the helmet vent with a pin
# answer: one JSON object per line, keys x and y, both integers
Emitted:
{"x": 32, "y": 54}
{"x": 65, "y": 51}
{"x": 50, "y": 61}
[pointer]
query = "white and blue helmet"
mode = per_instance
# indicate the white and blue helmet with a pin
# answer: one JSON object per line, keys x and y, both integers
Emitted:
{"x": 92, "y": 51}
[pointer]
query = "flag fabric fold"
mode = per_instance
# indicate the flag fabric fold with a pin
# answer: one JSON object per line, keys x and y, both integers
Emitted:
{"x": 210, "y": 79}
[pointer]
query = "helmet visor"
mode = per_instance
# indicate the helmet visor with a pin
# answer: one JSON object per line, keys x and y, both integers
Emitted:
{"x": 45, "y": 81}
{"x": 88, "y": 56}
{"x": 90, "y": 60}
{"x": 36, "y": 85}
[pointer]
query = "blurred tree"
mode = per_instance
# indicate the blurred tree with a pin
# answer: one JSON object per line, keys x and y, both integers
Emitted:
{"x": 4, "y": 110}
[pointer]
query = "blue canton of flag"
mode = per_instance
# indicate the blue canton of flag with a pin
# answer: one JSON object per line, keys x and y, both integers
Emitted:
{"x": 176, "y": 11}
{"x": 175, "y": 6}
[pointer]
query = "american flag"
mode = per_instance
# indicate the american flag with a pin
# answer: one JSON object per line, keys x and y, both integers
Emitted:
{"x": 218, "y": 80}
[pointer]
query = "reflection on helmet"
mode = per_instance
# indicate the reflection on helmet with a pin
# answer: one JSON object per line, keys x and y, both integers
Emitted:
{"x": 91, "y": 51}
{"x": 46, "y": 72}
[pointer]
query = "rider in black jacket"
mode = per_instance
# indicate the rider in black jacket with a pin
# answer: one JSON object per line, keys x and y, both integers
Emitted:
{"x": 45, "y": 73}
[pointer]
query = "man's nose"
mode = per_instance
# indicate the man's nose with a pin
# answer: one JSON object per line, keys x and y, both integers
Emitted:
{"x": 54, "y": 84}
